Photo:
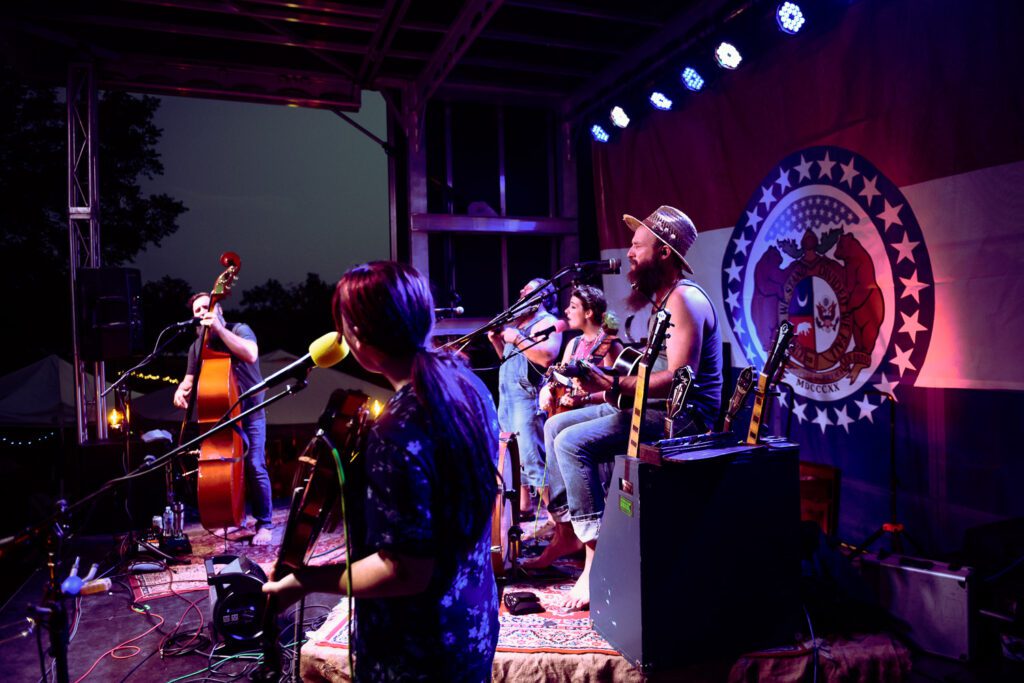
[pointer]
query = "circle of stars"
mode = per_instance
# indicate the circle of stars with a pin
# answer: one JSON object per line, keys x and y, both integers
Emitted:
{"x": 891, "y": 215}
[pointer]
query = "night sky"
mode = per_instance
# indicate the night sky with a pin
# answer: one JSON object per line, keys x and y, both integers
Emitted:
{"x": 292, "y": 191}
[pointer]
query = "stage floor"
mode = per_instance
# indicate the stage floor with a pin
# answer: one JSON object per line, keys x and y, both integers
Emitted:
{"x": 141, "y": 611}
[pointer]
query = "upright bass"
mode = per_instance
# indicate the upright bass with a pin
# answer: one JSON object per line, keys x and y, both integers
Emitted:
{"x": 221, "y": 484}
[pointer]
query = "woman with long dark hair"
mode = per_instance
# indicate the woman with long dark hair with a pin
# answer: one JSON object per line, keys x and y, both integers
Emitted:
{"x": 597, "y": 344}
{"x": 426, "y": 600}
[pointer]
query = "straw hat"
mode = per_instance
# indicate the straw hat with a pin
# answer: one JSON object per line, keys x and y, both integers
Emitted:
{"x": 670, "y": 225}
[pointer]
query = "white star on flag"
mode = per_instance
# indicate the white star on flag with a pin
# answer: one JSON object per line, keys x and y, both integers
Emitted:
{"x": 734, "y": 270}
{"x": 753, "y": 219}
{"x": 803, "y": 169}
{"x": 781, "y": 398}
{"x": 825, "y": 167}
{"x": 890, "y": 214}
{"x": 869, "y": 192}
{"x": 767, "y": 197}
{"x": 911, "y": 326}
{"x": 799, "y": 411}
{"x": 733, "y": 300}
{"x": 905, "y": 249}
{"x": 742, "y": 243}
{"x": 912, "y": 286}
{"x": 886, "y": 386}
{"x": 843, "y": 419}
{"x": 865, "y": 410}
{"x": 821, "y": 419}
{"x": 783, "y": 181}
{"x": 849, "y": 173}
{"x": 902, "y": 360}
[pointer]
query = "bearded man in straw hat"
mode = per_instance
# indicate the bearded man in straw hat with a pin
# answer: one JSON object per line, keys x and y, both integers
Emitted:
{"x": 578, "y": 441}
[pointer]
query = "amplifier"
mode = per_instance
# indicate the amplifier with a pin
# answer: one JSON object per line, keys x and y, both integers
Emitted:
{"x": 699, "y": 554}
{"x": 932, "y": 600}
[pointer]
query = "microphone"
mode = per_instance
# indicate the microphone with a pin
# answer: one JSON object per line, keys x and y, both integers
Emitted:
{"x": 324, "y": 352}
{"x": 454, "y": 311}
{"x": 191, "y": 322}
{"x": 559, "y": 326}
{"x": 606, "y": 267}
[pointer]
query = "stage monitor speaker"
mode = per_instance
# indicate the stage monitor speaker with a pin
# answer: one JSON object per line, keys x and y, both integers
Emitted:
{"x": 932, "y": 600}
{"x": 109, "y": 313}
{"x": 699, "y": 557}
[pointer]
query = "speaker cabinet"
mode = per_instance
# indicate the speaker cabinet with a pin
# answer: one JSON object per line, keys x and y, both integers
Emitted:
{"x": 931, "y": 600}
{"x": 109, "y": 313}
{"x": 699, "y": 556}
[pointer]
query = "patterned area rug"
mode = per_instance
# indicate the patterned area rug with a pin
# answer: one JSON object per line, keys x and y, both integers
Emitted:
{"x": 182, "y": 578}
{"x": 556, "y": 630}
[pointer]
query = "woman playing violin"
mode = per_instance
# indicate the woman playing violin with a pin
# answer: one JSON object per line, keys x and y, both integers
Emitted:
{"x": 426, "y": 600}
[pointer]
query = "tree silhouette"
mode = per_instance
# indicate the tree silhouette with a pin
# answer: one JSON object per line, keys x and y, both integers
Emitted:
{"x": 33, "y": 205}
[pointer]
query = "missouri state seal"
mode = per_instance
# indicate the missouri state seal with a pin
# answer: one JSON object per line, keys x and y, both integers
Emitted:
{"x": 830, "y": 244}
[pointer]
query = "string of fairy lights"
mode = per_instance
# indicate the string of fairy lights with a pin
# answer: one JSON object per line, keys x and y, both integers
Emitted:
{"x": 26, "y": 442}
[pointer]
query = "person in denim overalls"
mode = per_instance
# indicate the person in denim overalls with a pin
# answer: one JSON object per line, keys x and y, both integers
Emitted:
{"x": 525, "y": 356}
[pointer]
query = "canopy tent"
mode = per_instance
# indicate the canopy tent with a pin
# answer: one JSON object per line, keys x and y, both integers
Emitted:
{"x": 40, "y": 395}
{"x": 302, "y": 408}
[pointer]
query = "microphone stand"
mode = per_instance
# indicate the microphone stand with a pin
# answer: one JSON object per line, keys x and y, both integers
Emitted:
{"x": 181, "y": 546}
{"x": 56, "y": 526}
{"x": 519, "y": 307}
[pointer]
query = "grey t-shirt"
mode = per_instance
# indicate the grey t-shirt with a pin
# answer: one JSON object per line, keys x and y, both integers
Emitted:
{"x": 246, "y": 374}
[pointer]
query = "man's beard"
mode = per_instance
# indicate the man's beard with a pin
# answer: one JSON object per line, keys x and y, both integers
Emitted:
{"x": 646, "y": 279}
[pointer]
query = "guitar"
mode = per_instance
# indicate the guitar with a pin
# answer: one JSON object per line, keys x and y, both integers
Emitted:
{"x": 220, "y": 487}
{"x": 315, "y": 493}
{"x": 626, "y": 365}
{"x": 675, "y": 404}
{"x": 658, "y": 336}
{"x": 744, "y": 382}
{"x": 778, "y": 354}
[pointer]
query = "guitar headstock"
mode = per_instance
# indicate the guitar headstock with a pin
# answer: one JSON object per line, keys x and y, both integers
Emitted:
{"x": 226, "y": 280}
{"x": 778, "y": 352}
{"x": 744, "y": 382}
{"x": 658, "y": 336}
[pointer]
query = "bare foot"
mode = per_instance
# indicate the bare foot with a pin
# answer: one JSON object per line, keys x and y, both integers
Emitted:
{"x": 579, "y": 596}
{"x": 263, "y": 536}
{"x": 563, "y": 543}
{"x": 234, "y": 533}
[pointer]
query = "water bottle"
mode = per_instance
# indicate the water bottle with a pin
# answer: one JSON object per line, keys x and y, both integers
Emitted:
{"x": 179, "y": 519}
{"x": 168, "y": 521}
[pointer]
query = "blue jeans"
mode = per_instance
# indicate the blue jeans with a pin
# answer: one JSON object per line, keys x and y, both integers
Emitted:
{"x": 518, "y": 412}
{"x": 579, "y": 442}
{"x": 257, "y": 480}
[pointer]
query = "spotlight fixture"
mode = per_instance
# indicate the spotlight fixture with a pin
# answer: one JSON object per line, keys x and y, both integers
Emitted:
{"x": 619, "y": 117}
{"x": 691, "y": 79}
{"x": 728, "y": 56}
{"x": 599, "y": 133}
{"x": 660, "y": 101}
{"x": 790, "y": 17}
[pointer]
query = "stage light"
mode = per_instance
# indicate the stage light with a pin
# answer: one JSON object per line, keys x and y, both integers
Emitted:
{"x": 115, "y": 418}
{"x": 728, "y": 56}
{"x": 692, "y": 79}
{"x": 790, "y": 17}
{"x": 660, "y": 101}
{"x": 599, "y": 133}
{"x": 619, "y": 117}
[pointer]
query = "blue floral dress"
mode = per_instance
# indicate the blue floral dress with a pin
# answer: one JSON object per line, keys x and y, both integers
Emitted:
{"x": 450, "y": 631}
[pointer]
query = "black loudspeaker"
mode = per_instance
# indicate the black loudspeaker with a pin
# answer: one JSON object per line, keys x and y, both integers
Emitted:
{"x": 109, "y": 313}
{"x": 699, "y": 556}
{"x": 236, "y": 596}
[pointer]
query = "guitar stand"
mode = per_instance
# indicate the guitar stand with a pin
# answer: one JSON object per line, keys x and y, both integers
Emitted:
{"x": 894, "y": 529}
